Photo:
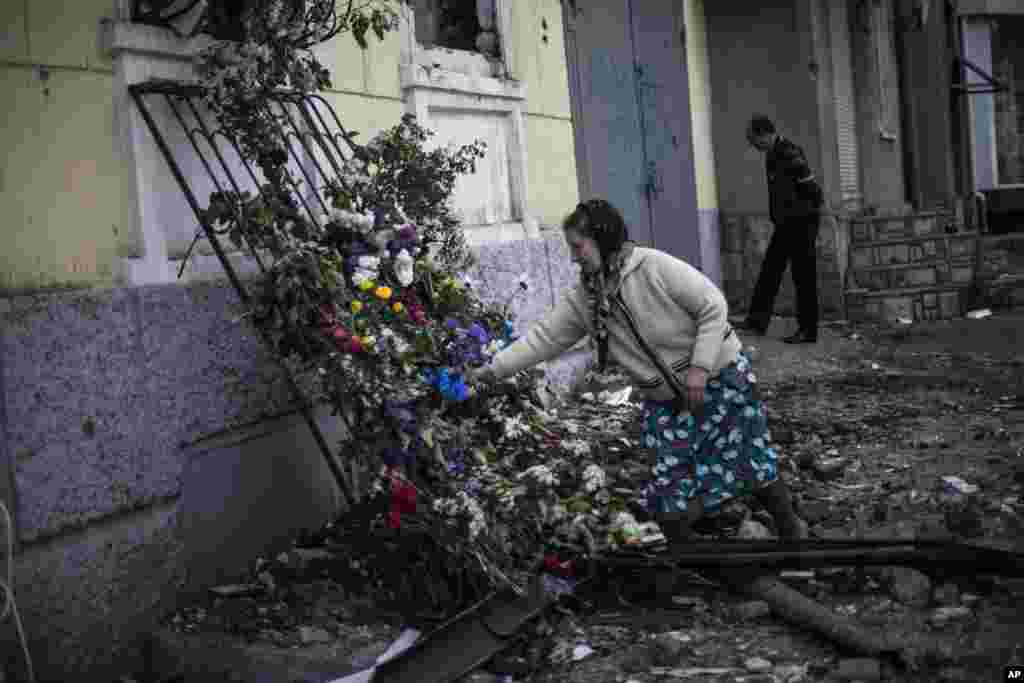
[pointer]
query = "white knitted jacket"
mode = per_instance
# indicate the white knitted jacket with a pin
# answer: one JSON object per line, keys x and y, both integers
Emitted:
{"x": 680, "y": 314}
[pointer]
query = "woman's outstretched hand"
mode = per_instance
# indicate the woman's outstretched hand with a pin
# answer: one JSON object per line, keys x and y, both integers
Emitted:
{"x": 696, "y": 380}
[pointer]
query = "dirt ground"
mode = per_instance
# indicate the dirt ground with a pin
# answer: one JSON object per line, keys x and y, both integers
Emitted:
{"x": 901, "y": 407}
{"x": 867, "y": 422}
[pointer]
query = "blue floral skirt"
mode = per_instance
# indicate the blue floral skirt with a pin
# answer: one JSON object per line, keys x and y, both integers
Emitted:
{"x": 724, "y": 454}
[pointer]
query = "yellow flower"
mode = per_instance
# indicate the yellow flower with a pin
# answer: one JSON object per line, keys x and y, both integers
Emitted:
{"x": 366, "y": 285}
{"x": 397, "y": 307}
{"x": 383, "y": 292}
{"x": 357, "y": 306}
{"x": 368, "y": 341}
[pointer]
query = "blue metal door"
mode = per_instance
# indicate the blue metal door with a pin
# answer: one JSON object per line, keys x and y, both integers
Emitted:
{"x": 631, "y": 113}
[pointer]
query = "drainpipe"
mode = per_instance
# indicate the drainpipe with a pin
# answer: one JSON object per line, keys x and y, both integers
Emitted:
{"x": 908, "y": 104}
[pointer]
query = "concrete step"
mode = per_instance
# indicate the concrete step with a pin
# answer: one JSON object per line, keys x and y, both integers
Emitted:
{"x": 914, "y": 303}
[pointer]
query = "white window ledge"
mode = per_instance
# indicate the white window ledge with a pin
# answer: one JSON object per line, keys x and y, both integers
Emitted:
{"x": 155, "y": 41}
{"x": 419, "y": 76}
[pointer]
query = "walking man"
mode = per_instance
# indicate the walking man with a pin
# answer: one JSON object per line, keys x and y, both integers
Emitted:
{"x": 795, "y": 201}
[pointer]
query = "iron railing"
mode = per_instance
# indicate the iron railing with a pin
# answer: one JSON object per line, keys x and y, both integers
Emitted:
{"x": 317, "y": 144}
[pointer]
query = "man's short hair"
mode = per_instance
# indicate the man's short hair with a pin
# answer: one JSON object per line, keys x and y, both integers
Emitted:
{"x": 761, "y": 125}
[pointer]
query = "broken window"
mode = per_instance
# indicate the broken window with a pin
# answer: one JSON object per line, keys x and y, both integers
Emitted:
{"x": 467, "y": 25}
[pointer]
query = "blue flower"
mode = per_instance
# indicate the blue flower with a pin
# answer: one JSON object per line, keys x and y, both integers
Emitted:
{"x": 451, "y": 324}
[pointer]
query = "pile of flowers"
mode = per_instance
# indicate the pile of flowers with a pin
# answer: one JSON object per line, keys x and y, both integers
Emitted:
{"x": 372, "y": 301}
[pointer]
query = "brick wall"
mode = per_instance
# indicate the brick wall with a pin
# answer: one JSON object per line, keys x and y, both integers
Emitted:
{"x": 744, "y": 239}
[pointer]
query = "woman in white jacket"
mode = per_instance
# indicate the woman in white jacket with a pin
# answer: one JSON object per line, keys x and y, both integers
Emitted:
{"x": 666, "y": 325}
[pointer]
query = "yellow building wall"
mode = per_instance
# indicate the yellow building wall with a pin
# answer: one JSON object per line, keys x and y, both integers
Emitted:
{"x": 700, "y": 103}
{"x": 60, "y": 174}
{"x": 538, "y": 59}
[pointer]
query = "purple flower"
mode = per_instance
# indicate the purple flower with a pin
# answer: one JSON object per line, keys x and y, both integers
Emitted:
{"x": 473, "y": 487}
{"x": 407, "y": 232}
{"x": 451, "y": 324}
{"x": 479, "y": 333}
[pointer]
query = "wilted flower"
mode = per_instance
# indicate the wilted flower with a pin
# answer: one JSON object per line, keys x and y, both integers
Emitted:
{"x": 541, "y": 474}
{"x": 577, "y": 447}
{"x": 404, "y": 268}
{"x": 594, "y": 478}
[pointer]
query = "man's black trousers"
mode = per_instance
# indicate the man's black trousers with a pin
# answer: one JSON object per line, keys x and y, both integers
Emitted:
{"x": 793, "y": 242}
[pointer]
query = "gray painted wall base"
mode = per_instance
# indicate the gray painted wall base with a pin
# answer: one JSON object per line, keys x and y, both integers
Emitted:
{"x": 118, "y": 517}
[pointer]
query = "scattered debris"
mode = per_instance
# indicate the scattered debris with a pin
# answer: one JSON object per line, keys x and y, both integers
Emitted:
{"x": 757, "y": 665}
{"x": 957, "y": 485}
{"x": 747, "y": 611}
{"x": 980, "y": 313}
{"x": 944, "y": 615}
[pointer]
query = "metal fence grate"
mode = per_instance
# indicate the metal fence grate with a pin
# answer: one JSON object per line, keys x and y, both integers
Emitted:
{"x": 204, "y": 158}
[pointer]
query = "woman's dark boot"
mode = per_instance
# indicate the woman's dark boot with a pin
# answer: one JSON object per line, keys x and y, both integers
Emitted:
{"x": 776, "y": 499}
{"x": 678, "y": 529}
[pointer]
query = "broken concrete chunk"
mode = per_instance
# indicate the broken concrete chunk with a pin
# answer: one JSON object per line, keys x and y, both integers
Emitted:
{"x": 859, "y": 670}
{"x": 234, "y": 590}
{"x": 311, "y": 634}
{"x": 945, "y": 615}
{"x": 829, "y": 469}
{"x": 907, "y": 585}
{"x": 757, "y": 665}
{"x": 752, "y": 530}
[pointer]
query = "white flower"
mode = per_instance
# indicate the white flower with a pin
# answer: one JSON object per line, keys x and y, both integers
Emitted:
{"x": 622, "y": 520}
{"x": 365, "y": 222}
{"x": 577, "y": 447}
{"x": 471, "y": 508}
{"x": 404, "y": 268}
{"x": 541, "y": 474}
{"x": 369, "y": 262}
{"x": 515, "y": 427}
{"x": 361, "y": 275}
{"x": 594, "y": 478}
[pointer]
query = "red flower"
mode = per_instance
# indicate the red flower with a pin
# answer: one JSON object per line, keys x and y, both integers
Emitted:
{"x": 403, "y": 500}
{"x": 339, "y": 335}
{"x": 327, "y": 315}
{"x": 355, "y": 345}
{"x": 554, "y": 565}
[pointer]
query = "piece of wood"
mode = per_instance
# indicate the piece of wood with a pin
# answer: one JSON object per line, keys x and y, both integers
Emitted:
{"x": 801, "y": 611}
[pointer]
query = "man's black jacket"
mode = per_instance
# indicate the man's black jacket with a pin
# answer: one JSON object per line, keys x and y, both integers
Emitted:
{"x": 792, "y": 189}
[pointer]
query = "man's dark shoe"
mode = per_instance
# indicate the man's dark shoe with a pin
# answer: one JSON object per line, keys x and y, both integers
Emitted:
{"x": 751, "y": 326}
{"x": 801, "y": 337}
